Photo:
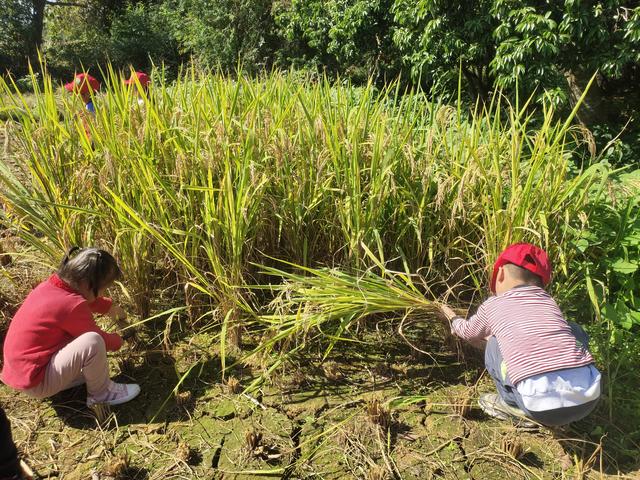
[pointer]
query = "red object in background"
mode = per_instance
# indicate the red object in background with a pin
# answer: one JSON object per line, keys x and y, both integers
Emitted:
{"x": 82, "y": 83}
{"x": 143, "y": 78}
{"x": 527, "y": 256}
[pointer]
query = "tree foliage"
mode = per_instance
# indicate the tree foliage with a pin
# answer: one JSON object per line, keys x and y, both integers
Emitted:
{"x": 16, "y": 34}
{"x": 549, "y": 49}
{"x": 350, "y": 37}
{"x": 142, "y": 35}
{"x": 530, "y": 45}
{"x": 135, "y": 36}
{"x": 541, "y": 43}
{"x": 437, "y": 38}
{"x": 226, "y": 32}
{"x": 74, "y": 41}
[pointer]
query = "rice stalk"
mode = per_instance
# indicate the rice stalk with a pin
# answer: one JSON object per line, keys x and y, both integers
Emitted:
{"x": 213, "y": 176}
{"x": 326, "y": 303}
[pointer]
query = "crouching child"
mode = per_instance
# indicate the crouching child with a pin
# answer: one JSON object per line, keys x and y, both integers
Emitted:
{"x": 539, "y": 362}
{"x": 53, "y": 342}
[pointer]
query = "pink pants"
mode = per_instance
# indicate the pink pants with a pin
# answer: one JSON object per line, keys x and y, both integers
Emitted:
{"x": 84, "y": 360}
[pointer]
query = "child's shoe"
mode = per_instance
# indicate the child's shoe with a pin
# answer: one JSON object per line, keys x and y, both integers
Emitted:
{"x": 493, "y": 405}
{"x": 116, "y": 394}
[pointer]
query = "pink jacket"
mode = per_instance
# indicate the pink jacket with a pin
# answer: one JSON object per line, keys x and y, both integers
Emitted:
{"x": 52, "y": 315}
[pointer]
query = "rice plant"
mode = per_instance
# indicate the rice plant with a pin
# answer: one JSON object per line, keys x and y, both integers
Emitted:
{"x": 378, "y": 201}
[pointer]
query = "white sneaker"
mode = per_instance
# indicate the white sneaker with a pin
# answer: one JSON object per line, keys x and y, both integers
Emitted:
{"x": 494, "y": 405}
{"x": 116, "y": 394}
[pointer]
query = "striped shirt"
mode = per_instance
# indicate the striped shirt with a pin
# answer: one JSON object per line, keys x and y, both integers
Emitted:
{"x": 532, "y": 334}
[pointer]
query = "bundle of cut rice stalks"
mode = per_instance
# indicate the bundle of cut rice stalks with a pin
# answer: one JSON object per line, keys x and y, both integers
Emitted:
{"x": 324, "y": 306}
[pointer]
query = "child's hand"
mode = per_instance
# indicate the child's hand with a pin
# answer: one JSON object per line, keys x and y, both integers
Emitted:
{"x": 445, "y": 319}
{"x": 119, "y": 316}
{"x": 447, "y": 311}
{"x": 117, "y": 313}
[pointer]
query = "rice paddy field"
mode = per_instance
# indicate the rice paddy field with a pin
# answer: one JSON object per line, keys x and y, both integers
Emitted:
{"x": 285, "y": 243}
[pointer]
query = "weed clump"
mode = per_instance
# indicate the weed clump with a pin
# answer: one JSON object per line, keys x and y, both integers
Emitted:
{"x": 461, "y": 403}
{"x": 252, "y": 440}
{"x": 101, "y": 411}
{"x": 185, "y": 453}
{"x": 376, "y": 472}
{"x": 118, "y": 468}
{"x": 232, "y": 385}
{"x": 258, "y": 448}
{"x": 512, "y": 446}
{"x": 332, "y": 371}
{"x": 184, "y": 399}
{"x": 378, "y": 414}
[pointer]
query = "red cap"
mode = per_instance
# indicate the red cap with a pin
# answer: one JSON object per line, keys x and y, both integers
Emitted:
{"x": 526, "y": 256}
{"x": 143, "y": 78}
{"x": 82, "y": 82}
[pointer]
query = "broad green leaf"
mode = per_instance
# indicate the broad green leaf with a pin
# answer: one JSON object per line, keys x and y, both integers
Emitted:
{"x": 582, "y": 244}
{"x": 624, "y": 267}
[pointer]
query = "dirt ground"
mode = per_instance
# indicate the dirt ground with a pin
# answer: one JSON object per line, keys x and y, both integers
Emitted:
{"x": 375, "y": 409}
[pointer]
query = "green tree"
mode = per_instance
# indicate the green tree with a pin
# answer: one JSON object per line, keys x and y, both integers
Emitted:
{"x": 557, "y": 47}
{"x": 438, "y": 37}
{"x": 83, "y": 37}
{"x": 351, "y": 37}
{"x": 142, "y": 34}
{"x": 74, "y": 40}
{"x": 225, "y": 32}
{"x": 24, "y": 25}
{"x": 15, "y": 25}
{"x": 550, "y": 48}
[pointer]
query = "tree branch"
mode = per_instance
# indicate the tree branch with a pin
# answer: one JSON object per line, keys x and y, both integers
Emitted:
{"x": 64, "y": 4}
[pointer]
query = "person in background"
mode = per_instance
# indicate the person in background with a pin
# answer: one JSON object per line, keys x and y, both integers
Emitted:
{"x": 539, "y": 362}
{"x": 144, "y": 81}
{"x": 9, "y": 463}
{"x": 84, "y": 85}
{"x": 53, "y": 342}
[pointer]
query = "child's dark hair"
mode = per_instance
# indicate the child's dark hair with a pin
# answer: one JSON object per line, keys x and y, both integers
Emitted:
{"x": 527, "y": 277}
{"x": 96, "y": 267}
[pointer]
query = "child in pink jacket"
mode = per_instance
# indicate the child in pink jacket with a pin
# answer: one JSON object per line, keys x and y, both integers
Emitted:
{"x": 53, "y": 342}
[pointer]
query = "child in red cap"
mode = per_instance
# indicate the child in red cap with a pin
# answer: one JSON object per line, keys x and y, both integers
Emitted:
{"x": 538, "y": 361}
{"x": 84, "y": 84}
{"x": 144, "y": 81}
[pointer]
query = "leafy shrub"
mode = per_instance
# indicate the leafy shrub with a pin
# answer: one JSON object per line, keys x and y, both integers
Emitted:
{"x": 74, "y": 42}
{"x": 608, "y": 263}
{"x": 28, "y": 83}
{"x": 15, "y": 18}
{"x": 351, "y": 37}
{"x": 224, "y": 33}
{"x": 617, "y": 146}
{"x": 141, "y": 35}
{"x": 137, "y": 36}
{"x": 549, "y": 48}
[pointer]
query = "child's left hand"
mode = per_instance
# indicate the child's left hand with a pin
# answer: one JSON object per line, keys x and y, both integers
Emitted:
{"x": 117, "y": 314}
